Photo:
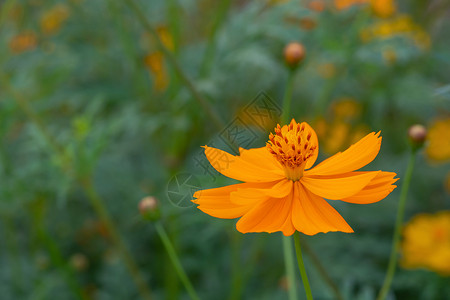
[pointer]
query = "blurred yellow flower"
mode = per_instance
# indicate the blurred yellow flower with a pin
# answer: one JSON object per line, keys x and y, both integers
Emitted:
{"x": 426, "y": 242}
{"x": 23, "y": 42}
{"x": 337, "y": 132}
{"x": 438, "y": 138}
{"x": 52, "y": 20}
{"x": 346, "y": 108}
{"x": 326, "y": 70}
{"x": 155, "y": 60}
{"x": 383, "y": 8}
{"x": 401, "y": 25}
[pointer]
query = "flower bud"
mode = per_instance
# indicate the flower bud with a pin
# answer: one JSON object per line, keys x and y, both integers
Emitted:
{"x": 417, "y": 135}
{"x": 149, "y": 209}
{"x": 294, "y": 53}
{"x": 79, "y": 262}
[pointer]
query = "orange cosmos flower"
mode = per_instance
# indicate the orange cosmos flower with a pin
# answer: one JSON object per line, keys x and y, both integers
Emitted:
{"x": 281, "y": 192}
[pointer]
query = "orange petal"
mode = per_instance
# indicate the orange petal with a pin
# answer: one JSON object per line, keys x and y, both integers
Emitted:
{"x": 314, "y": 142}
{"x": 311, "y": 214}
{"x": 377, "y": 189}
{"x": 257, "y": 156}
{"x": 216, "y": 202}
{"x": 338, "y": 186}
{"x": 243, "y": 168}
{"x": 354, "y": 158}
{"x": 269, "y": 216}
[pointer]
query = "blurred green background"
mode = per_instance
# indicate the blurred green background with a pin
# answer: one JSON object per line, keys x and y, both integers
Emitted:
{"x": 103, "y": 103}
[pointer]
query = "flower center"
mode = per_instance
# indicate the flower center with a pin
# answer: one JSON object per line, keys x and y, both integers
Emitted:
{"x": 292, "y": 147}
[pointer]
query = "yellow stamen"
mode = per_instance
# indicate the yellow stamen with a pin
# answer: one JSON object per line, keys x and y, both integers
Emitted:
{"x": 292, "y": 147}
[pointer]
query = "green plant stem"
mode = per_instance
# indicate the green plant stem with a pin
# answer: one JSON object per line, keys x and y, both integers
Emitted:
{"x": 289, "y": 263}
{"x": 322, "y": 271}
{"x": 86, "y": 183}
{"x": 104, "y": 216}
{"x": 236, "y": 265}
{"x": 212, "y": 114}
{"x": 301, "y": 266}
{"x": 30, "y": 114}
{"x": 288, "y": 97}
{"x": 176, "y": 262}
{"x": 222, "y": 10}
{"x": 287, "y": 243}
{"x": 10, "y": 240}
{"x": 398, "y": 226}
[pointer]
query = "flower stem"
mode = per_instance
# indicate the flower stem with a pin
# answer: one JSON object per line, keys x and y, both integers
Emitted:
{"x": 117, "y": 239}
{"x": 320, "y": 268}
{"x": 176, "y": 262}
{"x": 287, "y": 97}
{"x": 212, "y": 114}
{"x": 289, "y": 263}
{"x": 301, "y": 266}
{"x": 88, "y": 187}
{"x": 398, "y": 225}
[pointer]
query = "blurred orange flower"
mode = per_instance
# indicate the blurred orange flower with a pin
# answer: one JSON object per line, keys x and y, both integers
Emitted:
{"x": 155, "y": 60}
{"x": 52, "y": 20}
{"x": 23, "y": 42}
{"x": 426, "y": 242}
{"x": 383, "y": 8}
{"x": 281, "y": 192}
{"x": 438, "y": 138}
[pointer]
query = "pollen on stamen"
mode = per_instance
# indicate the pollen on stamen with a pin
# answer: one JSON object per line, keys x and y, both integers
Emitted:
{"x": 292, "y": 147}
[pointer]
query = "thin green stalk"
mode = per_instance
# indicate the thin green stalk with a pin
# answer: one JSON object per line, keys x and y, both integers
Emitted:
{"x": 96, "y": 201}
{"x": 322, "y": 271}
{"x": 288, "y": 97}
{"x": 301, "y": 266}
{"x": 212, "y": 114}
{"x": 289, "y": 263}
{"x": 31, "y": 115}
{"x": 398, "y": 226}
{"x": 287, "y": 243}
{"x": 38, "y": 214}
{"x": 4, "y": 12}
{"x": 104, "y": 216}
{"x": 222, "y": 10}
{"x": 10, "y": 240}
{"x": 236, "y": 265}
{"x": 175, "y": 260}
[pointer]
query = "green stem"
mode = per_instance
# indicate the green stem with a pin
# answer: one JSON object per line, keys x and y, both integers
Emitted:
{"x": 322, "y": 271}
{"x": 398, "y": 226}
{"x": 236, "y": 265}
{"x": 212, "y": 114}
{"x": 95, "y": 200}
{"x": 222, "y": 10}
{"x": 288, "y": 97}
{"x": 176, "y": 262}
{"x": 301, "y": 266}
{"x": 10, "y": 240}
{"x": 289, "y": 263}
{"x": 105, "y": 217}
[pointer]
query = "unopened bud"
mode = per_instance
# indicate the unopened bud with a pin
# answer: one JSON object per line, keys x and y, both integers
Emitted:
{"x": 294, "y": 53}
{"x": 149, "y": 209}
{"x": 79, "y": 262}
{"x": 417, "y": 135}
